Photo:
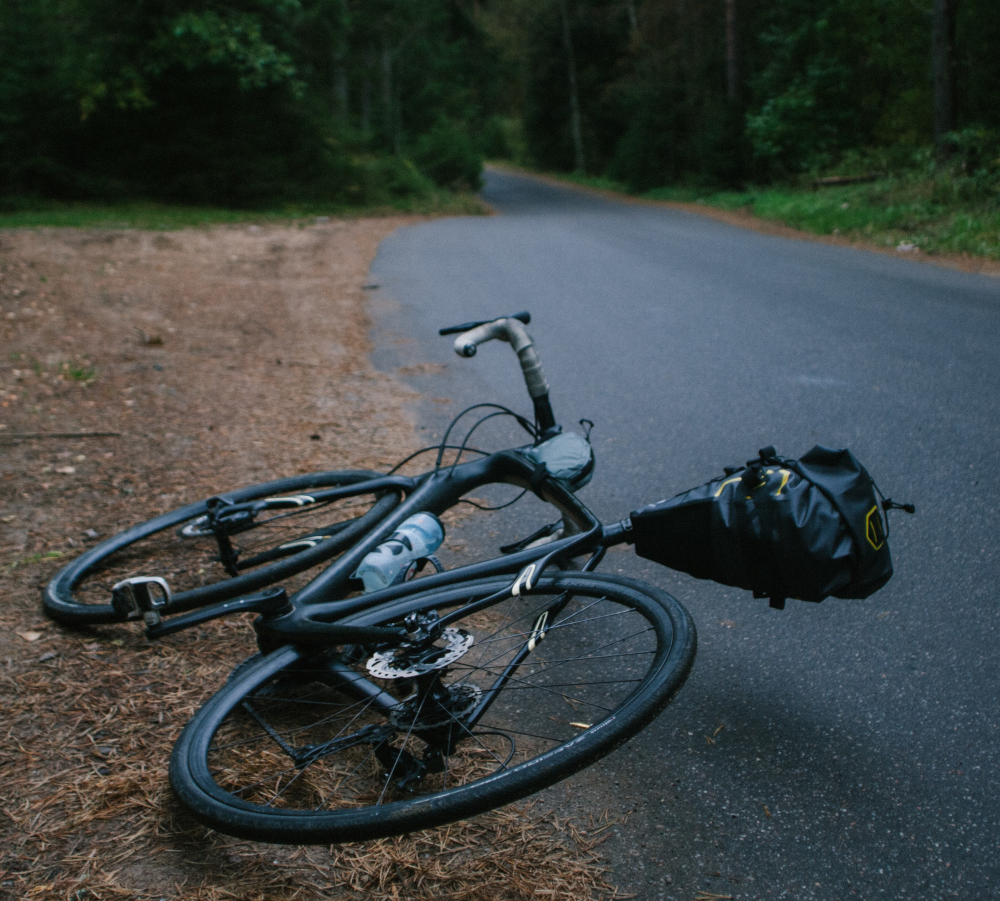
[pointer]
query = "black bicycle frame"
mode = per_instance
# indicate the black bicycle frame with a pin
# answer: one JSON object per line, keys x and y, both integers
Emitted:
{"x": 315, "y": 613}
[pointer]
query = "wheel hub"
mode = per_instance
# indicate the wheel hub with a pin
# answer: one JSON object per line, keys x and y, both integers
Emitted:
{"x": 430, "y": 712}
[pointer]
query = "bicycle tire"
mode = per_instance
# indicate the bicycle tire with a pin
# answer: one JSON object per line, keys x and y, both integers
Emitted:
{"x": 80, "y": 593}
{"x": 235, "y": 768}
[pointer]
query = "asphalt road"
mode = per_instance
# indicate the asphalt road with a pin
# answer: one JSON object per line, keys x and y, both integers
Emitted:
{"x": 848, "y": 749}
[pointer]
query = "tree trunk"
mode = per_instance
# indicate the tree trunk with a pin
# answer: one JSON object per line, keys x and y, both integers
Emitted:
{"x": 340, "y": 104}
{"x": 387, "y": 88}
{"x": 397, "y": 103}
{"x": 943, "y": 55}
{"x": 574, "y": 99}
{"x": 633, "y": 19}
{"x": 732, "y": 54}
{"x": 366, "y": 91}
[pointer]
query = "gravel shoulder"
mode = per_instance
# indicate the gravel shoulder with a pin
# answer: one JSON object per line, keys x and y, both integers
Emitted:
{"x": 184, "y": 363}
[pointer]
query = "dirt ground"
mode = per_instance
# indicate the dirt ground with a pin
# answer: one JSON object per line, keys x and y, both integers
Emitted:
{"x": 140, "y": 371}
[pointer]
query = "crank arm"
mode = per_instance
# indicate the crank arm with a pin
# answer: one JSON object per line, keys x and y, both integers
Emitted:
{"x": 272, "y": 601}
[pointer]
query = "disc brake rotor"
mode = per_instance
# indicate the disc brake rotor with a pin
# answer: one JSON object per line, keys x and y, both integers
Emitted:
{"x": 408, "y": 661}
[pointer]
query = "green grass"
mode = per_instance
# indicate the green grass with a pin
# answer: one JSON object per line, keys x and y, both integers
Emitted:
{"x": 934, "y": 214}
{"x": 74, "y": 371}
{"x": 595, "y": 181}
{"x": 885, "y": 212}
{"x": 23, "y": 213}
{"x": 35, "y": 558}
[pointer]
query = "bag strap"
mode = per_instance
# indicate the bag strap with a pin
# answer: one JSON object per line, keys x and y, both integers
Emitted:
{"x": 768, "y": 456}
{"x": 889, "y": 504}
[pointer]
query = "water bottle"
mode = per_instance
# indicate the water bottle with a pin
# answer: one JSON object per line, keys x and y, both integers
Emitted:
{"x": 416, "y": 537}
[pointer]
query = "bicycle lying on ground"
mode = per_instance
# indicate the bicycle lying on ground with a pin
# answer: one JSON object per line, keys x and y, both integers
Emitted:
{"x": 373, "y": 713}
{"x": 428, "y": 701}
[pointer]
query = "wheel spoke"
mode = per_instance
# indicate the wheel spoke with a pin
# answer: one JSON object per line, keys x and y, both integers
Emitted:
{"x": 470, "y": 726}
{"x": 388, "y": 779}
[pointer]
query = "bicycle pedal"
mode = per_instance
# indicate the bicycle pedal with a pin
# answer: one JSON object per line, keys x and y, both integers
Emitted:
{"x": 133, "y": 598}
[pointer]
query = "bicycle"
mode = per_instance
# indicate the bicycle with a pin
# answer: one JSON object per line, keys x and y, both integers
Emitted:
{"x": 428, "y": 701}
{"x": 209, "y": 553}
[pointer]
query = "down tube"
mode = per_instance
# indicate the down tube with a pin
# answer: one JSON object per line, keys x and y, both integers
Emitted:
{"x": 437, "y": 492}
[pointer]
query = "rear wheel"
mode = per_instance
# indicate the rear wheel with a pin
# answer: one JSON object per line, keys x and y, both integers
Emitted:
{"x": 223, "y": 547}
{"x": 353, "y": 743}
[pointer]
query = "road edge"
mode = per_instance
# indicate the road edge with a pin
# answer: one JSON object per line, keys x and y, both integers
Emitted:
{"x": 955, "y": 261}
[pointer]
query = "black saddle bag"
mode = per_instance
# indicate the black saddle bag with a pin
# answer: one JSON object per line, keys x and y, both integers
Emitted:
{"x": 806, "y": 528}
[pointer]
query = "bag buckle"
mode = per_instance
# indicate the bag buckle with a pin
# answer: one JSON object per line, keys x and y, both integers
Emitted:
{"x": 141, "y": 597}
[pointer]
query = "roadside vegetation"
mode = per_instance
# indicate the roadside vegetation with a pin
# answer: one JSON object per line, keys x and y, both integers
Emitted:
{"x": 35, "y": 213}
{"x": 744, "y": 105}
{"x": 925, "y": 206}
{"x": 272, "y": 106}
{"x": 202, "y": 111}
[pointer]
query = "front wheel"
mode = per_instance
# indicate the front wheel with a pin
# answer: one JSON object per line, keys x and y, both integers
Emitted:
{"x": 224, "y": 547}
{"x": 356, "y": 743}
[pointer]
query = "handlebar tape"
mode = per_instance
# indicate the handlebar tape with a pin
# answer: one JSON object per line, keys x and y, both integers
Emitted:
{"x": 513, "y": 332}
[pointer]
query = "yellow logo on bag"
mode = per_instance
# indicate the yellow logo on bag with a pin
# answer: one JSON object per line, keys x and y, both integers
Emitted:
{"x": 784, "y": 473}
{"x": 874, "y": 529}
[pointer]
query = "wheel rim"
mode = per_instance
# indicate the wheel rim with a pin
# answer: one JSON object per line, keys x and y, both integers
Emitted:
{"x": 180, "y": 548}
{"x": 302, "y": 755}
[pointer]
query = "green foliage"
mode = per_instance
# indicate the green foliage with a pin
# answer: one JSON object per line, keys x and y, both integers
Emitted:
{"x": 447, "y": 155}
{"x": 77, "y": 371}
{"x": 502, "y": 138}
{"x": 194, "y": 40}
{"x": 34, "y": 213}
{"x": 242, "y": 103}
{"x": 37, "y": 115}
{"x": 927, "y": 205}
{"x": 975, "y": 153}
{"x": 819, "y": 83}
{"x": 258, "y": 104}
{"x": 32, "y": 559}
{"x": 837, "y": 74}
{"x": 600, "y": 38}
{"x": 978, "y": 63}
{"x": 912, "y": 211}
{"x": 680, "y": 124}
{"x": 600, "y": 182}
{"x": 653, "y": 101}
{"x": 123, "y": 50}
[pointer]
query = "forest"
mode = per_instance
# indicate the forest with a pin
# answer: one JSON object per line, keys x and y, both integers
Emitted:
{"x": 245, "y": 103}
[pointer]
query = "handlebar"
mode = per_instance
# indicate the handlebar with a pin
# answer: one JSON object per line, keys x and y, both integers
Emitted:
{"x": 511, "y": 329}
{"x": 524, "y": 316}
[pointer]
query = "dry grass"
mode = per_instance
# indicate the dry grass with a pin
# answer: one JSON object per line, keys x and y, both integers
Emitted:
{"x": 172, "y": 344}
{"x": 89, "y": 813}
